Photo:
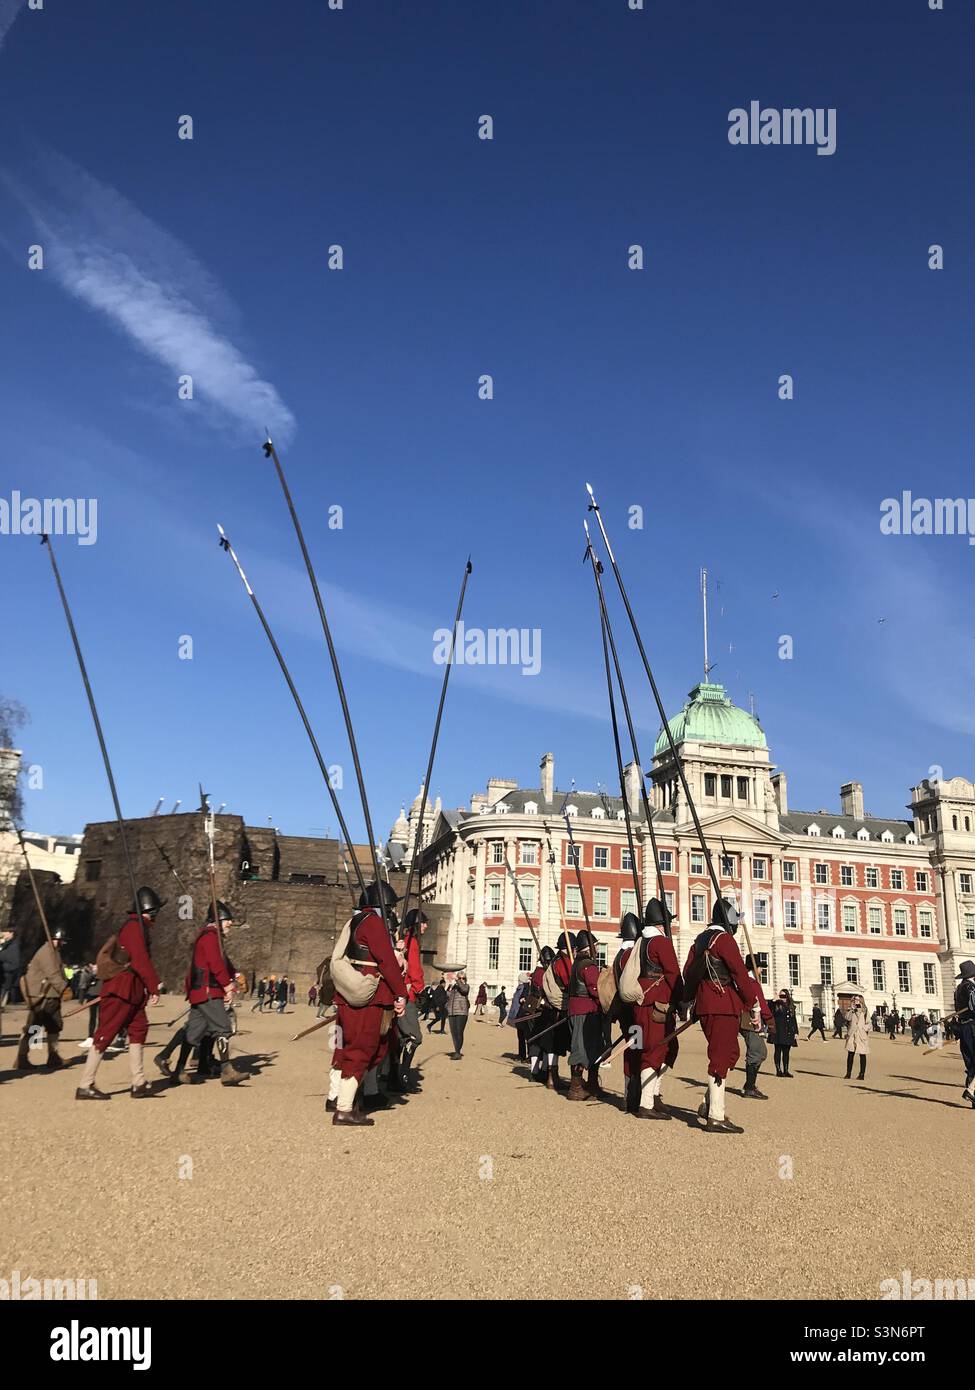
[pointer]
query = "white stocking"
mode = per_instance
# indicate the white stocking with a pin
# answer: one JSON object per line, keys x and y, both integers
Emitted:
{"x": 715, "y": 1098}
{"x": 649, "y": 1086}
{"x": 334, "y": 1080}
{"x": 92, "y": 1063}
{"x": 346, "y": 1093}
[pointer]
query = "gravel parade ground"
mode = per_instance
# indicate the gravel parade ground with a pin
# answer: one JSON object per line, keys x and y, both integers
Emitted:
{"x": 483, "y": 1185}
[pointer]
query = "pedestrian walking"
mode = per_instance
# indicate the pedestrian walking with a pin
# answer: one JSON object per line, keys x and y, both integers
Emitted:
{"x": 501, "y": 1004}
{"x": 312, "y": 995}
{"x": 282, "y": 993}
{"x": 839, "y": 1023}
{"x": 439, "y": 1003}
{"x": 480, "y": 999}
{"x": 518, "y": 999}
{"x": 964, "y": 1024}
{"x": 818, "y": 1023}
{"x": 261, "y": 992}
{"x": 857, "y": 1038}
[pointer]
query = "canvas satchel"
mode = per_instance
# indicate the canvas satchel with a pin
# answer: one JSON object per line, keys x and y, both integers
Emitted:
{"x": 554, "y": 994}
{"x": 355, "y": 988}
{"x": 629, "y": 986}
{"x": 606, "y": 989}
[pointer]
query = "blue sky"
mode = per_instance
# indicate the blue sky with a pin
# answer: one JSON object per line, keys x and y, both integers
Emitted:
{"x": 314, "y": 127}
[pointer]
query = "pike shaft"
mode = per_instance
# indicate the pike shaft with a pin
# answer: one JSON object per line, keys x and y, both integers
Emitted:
{"x": 417, "y": 844}
{"x": 46, "y": 540}
{"x": 224, "y": 541}
{"x": 597, "y": 572}
{"x": 619, "y": 756}
{"x": 34, "y": 889}
{"x": 593, "y": 506}
{"x": 271, "y": 452}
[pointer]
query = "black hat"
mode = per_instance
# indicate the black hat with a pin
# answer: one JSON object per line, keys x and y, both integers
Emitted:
{"x": 147, "y": 902}
{"x": 657, "y": 914}
{"x": 630, "y": 926}
{"x": 224, "y": 912}
{"x": 546, "y": 955}
{"x": 724, "y": 914}
{"x": 414, "y": 918}
{"x": 967, "y": 970}
{"x": 565, "y": 945}
{"x": 371, "y": 897}
{"x": 585, "y": 941}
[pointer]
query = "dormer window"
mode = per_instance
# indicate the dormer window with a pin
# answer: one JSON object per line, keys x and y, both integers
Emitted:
{"x": 501, "y": 809}
{"x": 887, "y": 838}
{"x": 621, "y": 815}
{"x": 863, "y": 833}
{"x": 813, "y": 830}
{"x": 839, "y": 833}
{"x": 598, "y": 813}
{"x": 572, "y": 810}
{"x": 531, "y": 808}
{"x": 911, "y": 838}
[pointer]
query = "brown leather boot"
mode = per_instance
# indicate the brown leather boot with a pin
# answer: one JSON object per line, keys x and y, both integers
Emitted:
{"x": 552, "y": 1080}
{"x": 230, "y": 1076}
{"x": 660, "y": 1110}
{"x": 54, "y": 1060}
{"x": 592, "y": 1082}
{"x": 351, "y": 1117}
{"x": 577, "y": 1089}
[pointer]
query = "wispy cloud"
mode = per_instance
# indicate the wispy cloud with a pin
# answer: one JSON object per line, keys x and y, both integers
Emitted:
{"x": 9, "y": 10}
{"x": 107, "y": 254}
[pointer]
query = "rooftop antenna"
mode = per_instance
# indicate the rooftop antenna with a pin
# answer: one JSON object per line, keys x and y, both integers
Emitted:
{"x": 704, "y": 595}
{"x": 155, "y": 810}
{"x": 751, "y": 704}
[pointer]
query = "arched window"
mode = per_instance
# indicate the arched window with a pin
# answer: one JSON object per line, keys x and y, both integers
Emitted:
{"x": 954, "y": 822}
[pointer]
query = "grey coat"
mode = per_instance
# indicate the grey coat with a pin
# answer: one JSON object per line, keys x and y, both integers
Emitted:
{"x": 457, "y": 1000}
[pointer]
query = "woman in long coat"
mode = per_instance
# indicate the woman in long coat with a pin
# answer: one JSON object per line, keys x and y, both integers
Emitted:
{"x": 786, "y": 1028}
{"x": 857, "y": 1037}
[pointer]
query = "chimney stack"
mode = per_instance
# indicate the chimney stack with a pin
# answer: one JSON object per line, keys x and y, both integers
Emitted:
{"x": 780, "y": 786}
{"x": 851, "y": 799}
{"x": 548, "y": 778}
{"x": 633, "y": 778}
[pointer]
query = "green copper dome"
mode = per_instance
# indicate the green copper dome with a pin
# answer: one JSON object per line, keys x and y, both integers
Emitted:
{"x": 709, "y": 716}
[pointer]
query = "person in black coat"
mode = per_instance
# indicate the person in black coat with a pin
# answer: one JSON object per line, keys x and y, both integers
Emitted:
{"x": 818, "y": 1023}
{"x": 282, "y": 993}
{"x": 439, "y": 1002}
{"x": 10, "y": 965}
{"x": 786, "y": 1031}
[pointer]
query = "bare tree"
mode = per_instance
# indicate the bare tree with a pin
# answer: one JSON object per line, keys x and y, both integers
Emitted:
{"x": 13, "y": 716}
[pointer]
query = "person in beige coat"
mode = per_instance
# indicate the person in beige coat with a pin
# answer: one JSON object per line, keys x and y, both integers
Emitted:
{"x": 857, "y": 1037}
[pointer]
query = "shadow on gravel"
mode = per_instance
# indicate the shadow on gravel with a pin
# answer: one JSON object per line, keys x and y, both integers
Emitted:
{"x": 926, "y": 1081}
{"x": 906, "y": 1095}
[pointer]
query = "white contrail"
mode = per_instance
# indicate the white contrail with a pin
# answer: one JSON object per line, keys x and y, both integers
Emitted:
{"x": 109, "y": 255}
{"x": 9, "y": 10}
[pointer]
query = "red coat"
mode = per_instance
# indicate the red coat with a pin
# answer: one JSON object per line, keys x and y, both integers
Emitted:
{"x": 414, "y": 968}
{"x": 661, "y": 953}
{"x": 589, "y": 972}
{"x": 139, "y": 979}
{"x": 371, "y": 933}
{"x": 210, "y": 968}
{"x": 732, "y": 998}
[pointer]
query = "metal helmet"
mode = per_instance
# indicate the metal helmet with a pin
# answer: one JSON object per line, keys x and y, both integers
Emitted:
{"x": 566, "y": 941}
{"x": 225, "y": 912}
{"x": 546, "y": 955}
{"x": 629, "y": 926}
{"x": 657, "y": 914}
{"x": 378, "y": 894}
{"x": 415, "y": 918}
{"x": 724, "y": 914}
{"x": 147, "y": 902}
{"x": 585, "y": 941}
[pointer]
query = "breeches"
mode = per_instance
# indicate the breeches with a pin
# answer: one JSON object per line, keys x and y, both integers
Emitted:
{"x": 207, "y": 1020}
{"x": 652, "y": 1050}
{"x": 361, "y": 1034}
{"x": 587, "y": 1039}
{"x": 115, "y": 1015}
{"x": 721, "y": 1031}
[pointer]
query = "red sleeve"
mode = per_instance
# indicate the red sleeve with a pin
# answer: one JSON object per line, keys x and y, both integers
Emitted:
{"x": 414, "y": 967}
{"x": 372, "y": 933}
{"x": 212, "y": 959}
{"x": 667, "y": 959}
{"x": 727, "y": 948}
{"x": 560, "y": 970}
{"x": 590, "y": 974}
{"x": 134, "y": 942}
{"x": 690, "y": 960}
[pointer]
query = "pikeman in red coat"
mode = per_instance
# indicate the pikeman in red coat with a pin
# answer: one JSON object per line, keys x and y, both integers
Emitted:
{"x": 210, "y": 989}
{"x": 130, "y": 981}
{"x": 363, "y": 1030}
{"x": 662, "y": 986}
{"x": 716, "y": 978}
{"x": 545, "y": 1024}
{"x": 623, "y": 1013}
{"x": 585, "y": 1016}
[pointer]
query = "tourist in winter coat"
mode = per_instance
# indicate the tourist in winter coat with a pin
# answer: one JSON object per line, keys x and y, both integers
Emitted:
{"x": 857, "y": 1038}
{"x": 786, "y": 1029}
{"x": 458, "y": 1008}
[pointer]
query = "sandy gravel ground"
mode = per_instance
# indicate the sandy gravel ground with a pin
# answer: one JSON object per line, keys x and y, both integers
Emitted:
{"x": 484, "y": 1185}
